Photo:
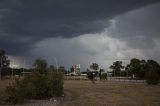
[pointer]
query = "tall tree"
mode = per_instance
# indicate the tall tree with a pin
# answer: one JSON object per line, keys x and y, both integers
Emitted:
{"x": 143, "y": 69}
{"x": 153, "y": 65}
{"x": 100, "y": 73}
{"x": 40, "y": 65}
{"x": 135, "y": 66}
{"x": 94, "y": 66}
{"x": 152, "y": 74}
{"x": 116, "y": 67}
{"x": 91, "y": 75}
{"x": 4, "y": 62}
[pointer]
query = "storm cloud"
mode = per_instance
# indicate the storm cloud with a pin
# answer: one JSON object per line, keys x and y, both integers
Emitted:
{"x": 23, "y": 23}
{"x": 80, "y": 31}
{"x": 138, "y": 27}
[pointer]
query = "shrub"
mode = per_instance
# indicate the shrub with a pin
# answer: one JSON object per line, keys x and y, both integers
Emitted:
{"x": 35, "y": 86}
{"x": 18, "y": 91}
{"x": 55, "y": 83}
{"x": 152, "y": 77}
{"x": 104, "y": 76}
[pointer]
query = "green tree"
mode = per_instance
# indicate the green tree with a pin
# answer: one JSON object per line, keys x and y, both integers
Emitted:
{"x": 91, "y": 75}
{"x": 94, "y": 66}
{"x": 152, "y": 72}
{"x": 128, "y": 70}
{"x": 134, "y": 67}
{"x": 40, "y": 65}
{"x": 153, "y": 65}
{"x": 152, "y": 77}
{"x": 100, "y": 73}
{"x": 4, "y": 62}
{"x": 116, "y": 67}
{"x": 143, "y": 69}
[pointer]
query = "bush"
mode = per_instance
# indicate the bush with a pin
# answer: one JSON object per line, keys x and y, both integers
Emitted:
{"x": 35, "y": 86}
{"x": 19, "y": 90}
{"x": 55, "y": 83}
{"x": 104, "y": 76}
{"x": 152, "y": 77}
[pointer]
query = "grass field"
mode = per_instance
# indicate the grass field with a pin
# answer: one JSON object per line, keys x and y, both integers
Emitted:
{"x": 3, "y": 84}
{"x": 107, "y": 93}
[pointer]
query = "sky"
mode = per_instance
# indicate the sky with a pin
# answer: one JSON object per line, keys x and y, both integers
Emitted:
{"x": 79, "y": 31}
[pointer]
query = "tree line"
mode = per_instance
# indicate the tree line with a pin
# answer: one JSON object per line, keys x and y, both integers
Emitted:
{"x": 148, "y": 70}
{"x": 40, "y": 65}
{"x": 138, "y": 69}
{"x": 42, "y": 83}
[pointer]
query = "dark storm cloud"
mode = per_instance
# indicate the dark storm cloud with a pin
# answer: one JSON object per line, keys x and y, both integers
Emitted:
{"x": 24, "y": 22}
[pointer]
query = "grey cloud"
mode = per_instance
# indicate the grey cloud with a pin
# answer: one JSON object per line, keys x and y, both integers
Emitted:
{"x": 41, "y": 19}
{"x": 138, "y": 28}
{"x": 13, "y": 46}
{"x": 80, "y": 50}
{"x": 141, "y": 22}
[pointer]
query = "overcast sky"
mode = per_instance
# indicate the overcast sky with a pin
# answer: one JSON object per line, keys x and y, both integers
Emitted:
{"x": 80, "y": 31}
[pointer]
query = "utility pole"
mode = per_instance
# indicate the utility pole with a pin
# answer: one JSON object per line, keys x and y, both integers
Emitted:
{"x": 24, "y": 63}
{"x": 56, "y": 63}
{"x": 12, "y": 70}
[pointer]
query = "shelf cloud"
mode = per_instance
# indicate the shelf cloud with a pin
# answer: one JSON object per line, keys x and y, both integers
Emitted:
{"x": 25, "y": 24}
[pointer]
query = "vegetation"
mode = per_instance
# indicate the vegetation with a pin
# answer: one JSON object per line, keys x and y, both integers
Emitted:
{"x": 137, "y": 67}
{"x": 38, "y": 85}
{"x": 51, "y": 84}
{"x": 141, "y": 69}
{"x": 4, "y": 63}
{"x": 152, "y": 72}
{"x": 116, "y": 67}
{"x": 104, "y": 76}
{"x": 94, "y": 66}
{"x": 100, "y": 74}
{"x": 40, "y": 65}
{"x": 152, "y": 77}
{"x": 92, "y": 74}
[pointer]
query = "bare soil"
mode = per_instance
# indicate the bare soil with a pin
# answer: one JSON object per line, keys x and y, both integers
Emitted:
{"x": 108, "y": 93}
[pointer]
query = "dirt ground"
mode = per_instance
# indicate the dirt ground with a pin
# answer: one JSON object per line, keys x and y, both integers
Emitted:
{"x": 3, "y": 84}
{"x": 107, "y": 93}
{"x": 104, "y": 93}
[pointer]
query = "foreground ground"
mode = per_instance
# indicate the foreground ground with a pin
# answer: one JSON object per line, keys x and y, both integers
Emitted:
{"x": 3, "y": 84}
{"x": 107, "y": 93}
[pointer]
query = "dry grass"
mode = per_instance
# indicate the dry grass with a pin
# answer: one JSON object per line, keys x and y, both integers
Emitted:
{"x": 3, "y": 84}
{"x": 107, "y": 93}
